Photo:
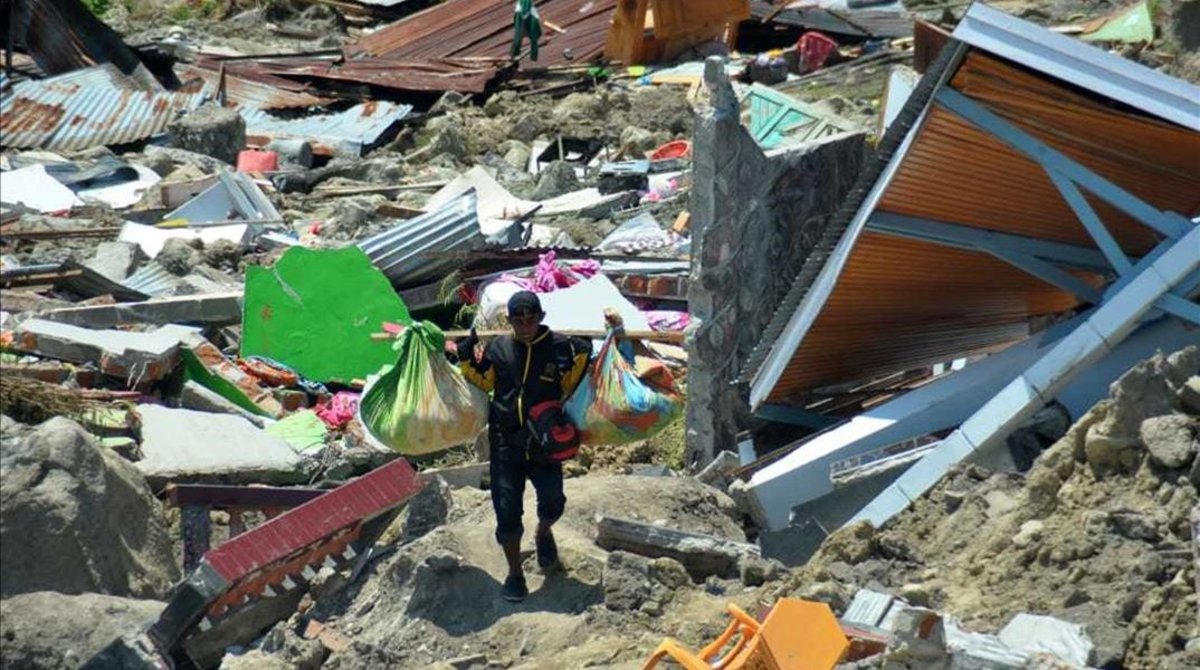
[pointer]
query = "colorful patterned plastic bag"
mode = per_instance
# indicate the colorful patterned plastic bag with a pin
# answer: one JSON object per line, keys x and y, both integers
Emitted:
{"x": 422, "y": 404}
{"x": 624, "y": 398}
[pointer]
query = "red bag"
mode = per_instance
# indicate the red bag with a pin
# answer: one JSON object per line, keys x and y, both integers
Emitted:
{"x": 253, "y": 160}
{"x": 553, "y": 431}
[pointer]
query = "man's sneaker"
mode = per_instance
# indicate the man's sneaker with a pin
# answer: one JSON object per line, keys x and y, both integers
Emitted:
{"x": 547, "y": 551}
{"x": 514, "y": 589}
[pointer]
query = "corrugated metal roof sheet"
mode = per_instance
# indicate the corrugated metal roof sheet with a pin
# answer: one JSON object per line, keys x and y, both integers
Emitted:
{"x": 403, "y": 253}
{"x": 462, "y": 44}
{"x": 350, "y": 132}
{"x": 936, "y": 302}
{"x": 152, "y": 280}
{"x": 263, "y": 91}
{"x": 63, "y": 114}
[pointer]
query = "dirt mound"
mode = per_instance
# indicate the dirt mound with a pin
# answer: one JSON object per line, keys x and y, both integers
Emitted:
{"x": 1096, "y": 533}
{"x": 436, "y": 599}
{"x": 52, "y": 631}
{"x": 76, "y": 518}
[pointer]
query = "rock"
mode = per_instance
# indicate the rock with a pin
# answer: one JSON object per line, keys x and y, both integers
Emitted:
{"x": 1171, "y": 439}
{"x": 180, "y": 256}
{"x": 350, "y": 216}
{"x": 626, "y": 581}
{"x": 921, "y": 595}
{"x": 75, "y": 518}
{"x": 52, "y": 631}
{"x": 669, "y": 572}
{"x": 756, "y": 571}
{"x": 637, "y": 141}
{"x": 516, "y": 154}
{"x": 223, "y": 254}
{"x": 1104, "y": 629}
{"x": 556, "y": 179}
{"x": 1189, "y": 396}
{"x": 1031, "y": 532}
{"x": 211, "y": 130}
{"x": 526, "y": 127}
{"x": 427, "y": 510}
{"x": 116, "y": 260}
{"x": 578, "y": 107}
{"x": 1134, "y": 526}
{"x": 837, "y": 596}
{"x": 1106, "y": 453}
{"x": 1145, "y": 391}
{"x": 999, "y": 503}
{"x": 285, "y": 645}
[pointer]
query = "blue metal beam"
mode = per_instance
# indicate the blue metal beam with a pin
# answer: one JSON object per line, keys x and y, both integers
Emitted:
{"x": 1051, "y": 159}
{"x": 1180, "y": 307}
{"x": 794, "y": 416}
{"x": 981, "y": 239}
{"x": 1050, "y": 274}
{"x": 1089, "y": 219}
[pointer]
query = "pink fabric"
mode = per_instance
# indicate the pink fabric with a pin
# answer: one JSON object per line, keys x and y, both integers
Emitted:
{"x": 666, "y": 320}
{"x": 815, "y": 49}
{"x": 551, "y": 275}
{"x": 339, "y": 410}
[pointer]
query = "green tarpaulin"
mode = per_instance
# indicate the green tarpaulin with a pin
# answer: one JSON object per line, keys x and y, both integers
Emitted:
{"x": 314, "y": 311}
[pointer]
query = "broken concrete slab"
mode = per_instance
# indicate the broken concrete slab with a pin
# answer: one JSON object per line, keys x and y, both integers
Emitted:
{"x": 59, "y": 632}
{"x": 213, "y": 309}
{"x": 148, "y": 356}
{"x": 115, "y": 260}
{"x": 152, "y": 239}
{"x": 315, "y": 310}
{"x": 210, "y": 130}
{"x": 195, "y": 396}
{"x": 702, "y": 555}
{"x": 183, "y": 445}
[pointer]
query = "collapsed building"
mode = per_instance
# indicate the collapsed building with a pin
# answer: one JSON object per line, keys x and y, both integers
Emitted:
{"x": 884, "y": 343}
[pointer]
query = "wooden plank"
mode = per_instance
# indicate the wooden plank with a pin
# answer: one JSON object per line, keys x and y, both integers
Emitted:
{"x": 702, "y": 555}
{"x": 651, "y": 336}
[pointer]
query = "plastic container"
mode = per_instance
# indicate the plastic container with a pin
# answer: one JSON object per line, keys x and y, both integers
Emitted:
{"x": 676, "y": 149}
{"x": 253, "y": 160}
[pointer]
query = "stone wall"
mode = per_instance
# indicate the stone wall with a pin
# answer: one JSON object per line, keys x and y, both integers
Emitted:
{"x": 755, "y": 218}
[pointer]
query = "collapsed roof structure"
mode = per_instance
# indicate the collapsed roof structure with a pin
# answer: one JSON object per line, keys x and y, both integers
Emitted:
{"x": 1033, "y": 204}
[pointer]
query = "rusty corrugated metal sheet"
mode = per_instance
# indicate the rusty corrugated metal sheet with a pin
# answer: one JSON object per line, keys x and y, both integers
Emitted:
{"x": 51, "y": 114}
{"x": 253, "y": 91}
{"x": 898, "y": 304}
{"x": 462, "y": 44}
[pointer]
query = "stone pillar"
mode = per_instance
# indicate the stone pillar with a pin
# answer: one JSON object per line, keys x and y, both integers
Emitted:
{"x": 755, "y": 219}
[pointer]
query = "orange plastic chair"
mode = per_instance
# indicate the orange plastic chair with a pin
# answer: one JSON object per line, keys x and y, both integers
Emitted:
{"x": 796, "y": 635}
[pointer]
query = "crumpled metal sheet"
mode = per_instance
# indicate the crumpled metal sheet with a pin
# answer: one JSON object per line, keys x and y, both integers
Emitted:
{"x": 406, "y": 252}
{"x": 349, "y": 132}
{"x": 84, "y": 109}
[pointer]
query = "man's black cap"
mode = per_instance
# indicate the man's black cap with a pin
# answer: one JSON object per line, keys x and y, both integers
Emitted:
{"x": 524, "y": 302}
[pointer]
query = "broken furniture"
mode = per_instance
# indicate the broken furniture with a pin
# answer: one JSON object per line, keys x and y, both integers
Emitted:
{"x": 795, "y": 635}
{"x": 277, "y": 557}
{"x": 197, "y": 501}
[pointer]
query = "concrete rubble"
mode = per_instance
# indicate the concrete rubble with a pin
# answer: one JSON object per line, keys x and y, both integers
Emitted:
{"x": 937, "y": 347}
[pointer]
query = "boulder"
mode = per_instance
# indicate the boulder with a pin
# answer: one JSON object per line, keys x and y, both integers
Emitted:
{"x": 1171, "y": 439}
{"x": 116, "y": 260}
{"x": 557, "y": 179}
{"x": 77, "y": 518}
{"x": 52, "y": 631}
{"x": 211, "y": 130}
{"x": 626, "y": 581}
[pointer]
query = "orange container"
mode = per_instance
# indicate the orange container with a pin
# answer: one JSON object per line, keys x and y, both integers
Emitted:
{"x": 254, "y": 160}
{"x": 676, "y": 149}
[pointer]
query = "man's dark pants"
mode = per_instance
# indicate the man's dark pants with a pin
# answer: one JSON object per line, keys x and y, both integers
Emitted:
{"x": 510, "y": 466}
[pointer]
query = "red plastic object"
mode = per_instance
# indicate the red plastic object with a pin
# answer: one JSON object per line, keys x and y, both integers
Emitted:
{"x": 815, "y": 49}
{"x": 676, "y": 149}
{"x": 253, "y": 160}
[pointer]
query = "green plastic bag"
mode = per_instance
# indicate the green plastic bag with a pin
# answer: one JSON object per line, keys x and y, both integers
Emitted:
{"x": 422, "y": 404}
